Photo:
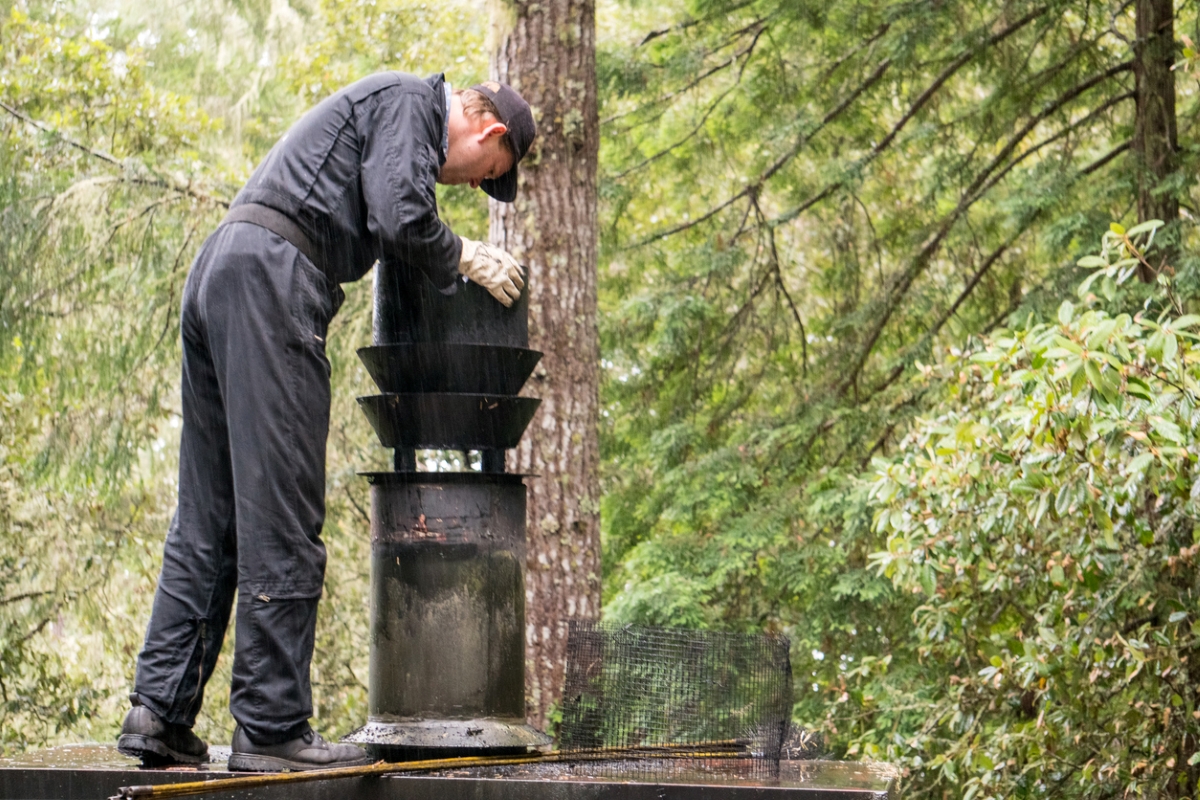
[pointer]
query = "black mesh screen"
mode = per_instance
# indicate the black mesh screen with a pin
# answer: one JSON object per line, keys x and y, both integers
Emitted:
{"x": 663, "y": 700}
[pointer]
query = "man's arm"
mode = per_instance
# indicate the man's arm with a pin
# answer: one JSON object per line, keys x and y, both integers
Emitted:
{"x": 400, "y": 139}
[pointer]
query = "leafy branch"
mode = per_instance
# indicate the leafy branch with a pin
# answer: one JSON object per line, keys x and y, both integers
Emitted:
{"x": 746, "y": 53}
{"x": 979, "y": 186}
{"x": 914, "y": 108}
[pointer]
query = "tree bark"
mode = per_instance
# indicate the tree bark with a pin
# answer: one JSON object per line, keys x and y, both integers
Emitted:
{"x": 1155, "y": 143}
{"x": 546, "y": 51}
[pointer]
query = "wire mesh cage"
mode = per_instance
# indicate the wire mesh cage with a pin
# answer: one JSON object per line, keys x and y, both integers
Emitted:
{"x": 667, "y": 701}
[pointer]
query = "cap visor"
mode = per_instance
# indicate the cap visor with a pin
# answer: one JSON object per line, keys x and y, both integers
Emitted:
{"x": 503, "y": 188}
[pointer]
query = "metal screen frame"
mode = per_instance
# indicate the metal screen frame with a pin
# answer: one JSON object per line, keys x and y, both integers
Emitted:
{"x": 658, "y": 701}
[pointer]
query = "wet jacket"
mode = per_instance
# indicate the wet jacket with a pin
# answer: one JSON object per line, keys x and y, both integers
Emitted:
{"x": 357, "y": 173}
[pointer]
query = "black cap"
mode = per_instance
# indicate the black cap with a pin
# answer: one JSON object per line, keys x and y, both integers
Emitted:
{"x": 516, "y": 115}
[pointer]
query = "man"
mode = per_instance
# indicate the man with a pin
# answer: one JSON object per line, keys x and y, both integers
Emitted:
{"x": 350, "y": 183}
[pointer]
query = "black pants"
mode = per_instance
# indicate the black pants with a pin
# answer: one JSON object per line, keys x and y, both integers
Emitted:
{"x": 255, "y": 404}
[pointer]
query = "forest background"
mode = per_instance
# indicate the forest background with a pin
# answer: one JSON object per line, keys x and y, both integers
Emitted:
{"x": 878, "y": 369}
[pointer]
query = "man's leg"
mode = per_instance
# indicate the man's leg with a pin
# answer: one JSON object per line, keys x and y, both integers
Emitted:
{"x": 199, "y": 573}
{"x": 267, "y": 322}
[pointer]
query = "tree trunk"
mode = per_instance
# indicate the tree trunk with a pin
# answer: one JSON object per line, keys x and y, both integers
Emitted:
{"x": 546, "y": 51}
{"x": 1154, "y": 138}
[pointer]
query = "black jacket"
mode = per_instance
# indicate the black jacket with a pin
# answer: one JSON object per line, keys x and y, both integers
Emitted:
{"x": 358, "y": 173}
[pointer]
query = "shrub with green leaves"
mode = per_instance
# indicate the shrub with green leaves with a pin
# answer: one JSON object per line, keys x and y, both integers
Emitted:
{"x": 1047, "y": 521}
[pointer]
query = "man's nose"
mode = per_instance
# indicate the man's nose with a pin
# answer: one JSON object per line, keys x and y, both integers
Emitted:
{"x": 475, "y": 183}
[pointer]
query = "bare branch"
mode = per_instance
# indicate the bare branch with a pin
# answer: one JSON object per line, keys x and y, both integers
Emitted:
{"x": 689, "y": 23}
{"x": 1051, "y": 139}
{"x": 922, "y": 99}
{"x": 753, "y": 187}
{"x": 171, "y": 316}
{"x": 100, "y": 154}
{"x": 16, "y": 598}
{"x": 880, "y": 443}
{"x": 933, "y": 331}
{"x": 671, "y": 148}
{"x": 748, "y": 51}
{"x": 979, "y": 189}
{"x": 1107, "y": 157}
{"x": 1112, "y": 22}
{"x": 974, "y": 192}
{"x": 54, "y": 287}
{"x": 34, "y": 631}
{"x": 358, "y": 509}
{"x": 853, "y": 51}
{"x": 779, "y": 284}
{"x": 987, "y": 264}
{"x": 126, "y": 176}
{"x": 874, "y": 235}
{"x": 135, "y": 215}
{"x": 757, "y": 27}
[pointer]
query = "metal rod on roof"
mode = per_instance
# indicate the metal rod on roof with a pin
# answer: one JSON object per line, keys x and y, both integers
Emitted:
{"x": 724, "y": 749}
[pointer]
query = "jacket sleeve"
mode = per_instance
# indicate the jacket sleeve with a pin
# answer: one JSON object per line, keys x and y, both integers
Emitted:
{"x": 401, "y": 142}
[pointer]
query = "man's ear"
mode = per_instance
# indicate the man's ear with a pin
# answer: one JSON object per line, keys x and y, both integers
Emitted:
{"x": 494, "y": 129}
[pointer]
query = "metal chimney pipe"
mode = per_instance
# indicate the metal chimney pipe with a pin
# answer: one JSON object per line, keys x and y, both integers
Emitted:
{"x": 447, "y": 674}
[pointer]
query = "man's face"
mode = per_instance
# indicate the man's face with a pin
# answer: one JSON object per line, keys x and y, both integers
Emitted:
{"x": 477, "y": 155}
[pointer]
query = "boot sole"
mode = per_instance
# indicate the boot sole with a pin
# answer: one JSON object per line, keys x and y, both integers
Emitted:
{"x": 245, "y": 762}
{"x": 151, "y": 750}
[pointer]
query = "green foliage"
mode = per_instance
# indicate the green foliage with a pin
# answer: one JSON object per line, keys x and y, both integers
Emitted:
{"x": 800, "y": 200}
{"x": 801, "y": 203}
{"x": 1044, "y": 520}
{"x": 98, "y": 225}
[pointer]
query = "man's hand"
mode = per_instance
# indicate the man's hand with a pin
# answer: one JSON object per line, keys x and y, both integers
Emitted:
{"x": 493, "y": 269}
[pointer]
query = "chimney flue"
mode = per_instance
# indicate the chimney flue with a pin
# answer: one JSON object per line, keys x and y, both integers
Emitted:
{"x": 447, "y": 673}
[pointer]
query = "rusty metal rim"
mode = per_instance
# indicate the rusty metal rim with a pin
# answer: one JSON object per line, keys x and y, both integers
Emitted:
{"x": 483, "y": 478}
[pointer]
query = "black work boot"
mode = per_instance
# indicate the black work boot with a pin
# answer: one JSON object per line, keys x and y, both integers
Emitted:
{"x": 155, "y": 741}
{"x": 305, "y": 752}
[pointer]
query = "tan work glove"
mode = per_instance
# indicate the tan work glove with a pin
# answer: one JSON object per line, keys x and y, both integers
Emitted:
{"x": 493, "y": 269}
